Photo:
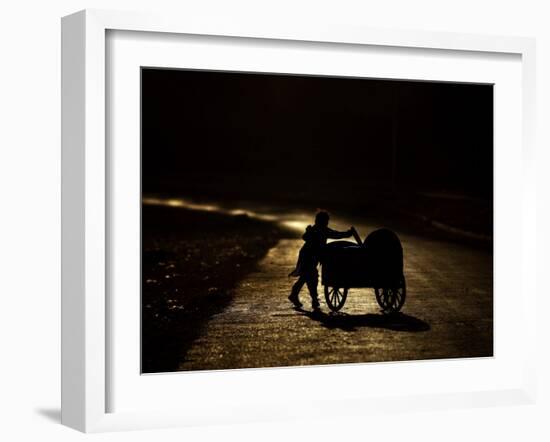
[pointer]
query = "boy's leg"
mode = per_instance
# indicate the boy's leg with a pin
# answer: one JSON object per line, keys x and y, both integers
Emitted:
{"x": 298, "y": 286}
{"x": 296, "y": 290}
{"x": 312, "y": 282}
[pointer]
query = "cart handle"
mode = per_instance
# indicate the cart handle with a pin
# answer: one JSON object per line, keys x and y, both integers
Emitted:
{"x": 356, "y": 236}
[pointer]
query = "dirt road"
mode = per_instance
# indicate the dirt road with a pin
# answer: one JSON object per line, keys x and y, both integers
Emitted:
{"x": 448, "y": 314}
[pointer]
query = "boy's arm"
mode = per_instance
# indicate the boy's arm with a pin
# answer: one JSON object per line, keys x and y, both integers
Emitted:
{"x": 307, "y": 234}
{"x": 335, "y": 234}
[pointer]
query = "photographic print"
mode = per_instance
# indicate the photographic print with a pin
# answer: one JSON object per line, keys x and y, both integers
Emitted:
{"x": 295, "y": 220}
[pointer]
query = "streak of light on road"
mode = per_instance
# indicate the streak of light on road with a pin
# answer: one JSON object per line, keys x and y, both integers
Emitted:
{"x": 294, "y": 221}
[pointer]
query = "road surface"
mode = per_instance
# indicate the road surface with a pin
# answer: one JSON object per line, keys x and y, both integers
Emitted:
{"x": 448, "y": 314}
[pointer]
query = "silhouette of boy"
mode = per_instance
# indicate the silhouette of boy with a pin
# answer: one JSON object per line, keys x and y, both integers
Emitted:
{"x": 315, "y": 238}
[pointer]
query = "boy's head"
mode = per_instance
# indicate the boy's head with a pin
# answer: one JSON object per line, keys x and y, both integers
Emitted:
{"x": 321, "y": 219}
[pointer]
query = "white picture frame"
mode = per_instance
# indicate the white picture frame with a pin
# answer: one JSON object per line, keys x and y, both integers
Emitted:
{"x": 85, "y": 211}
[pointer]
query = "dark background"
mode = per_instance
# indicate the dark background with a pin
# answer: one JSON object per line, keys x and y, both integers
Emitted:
{"x": 415, "y": 157}
{"x": 303, "y": 138}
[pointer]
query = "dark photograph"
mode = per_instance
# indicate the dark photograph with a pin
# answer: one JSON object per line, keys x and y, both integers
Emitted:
{"x": 295, "y": 220}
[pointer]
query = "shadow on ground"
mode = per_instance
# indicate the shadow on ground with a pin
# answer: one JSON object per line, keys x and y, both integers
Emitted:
{"x": 346, "y": 322}
{"x": 191, "y": 263}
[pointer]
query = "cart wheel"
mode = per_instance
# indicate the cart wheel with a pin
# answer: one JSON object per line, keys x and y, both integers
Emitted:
{"x": 335, "y": 297}
{"x": 391, "y": 299}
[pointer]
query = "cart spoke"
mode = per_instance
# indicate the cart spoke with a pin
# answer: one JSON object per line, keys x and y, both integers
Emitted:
{"x": 391, "y": 299}
{"x": 386, "y": 296}
{"x": 399, "y": 295}
{"x": 335, "y": 297}
{"x": 396, "y": 299}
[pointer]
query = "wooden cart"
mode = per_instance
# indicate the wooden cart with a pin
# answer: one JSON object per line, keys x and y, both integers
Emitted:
{"x": 377, "y": 263}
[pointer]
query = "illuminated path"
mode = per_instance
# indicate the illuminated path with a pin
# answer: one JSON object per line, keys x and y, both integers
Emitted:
{"x": 448, "y": 313}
